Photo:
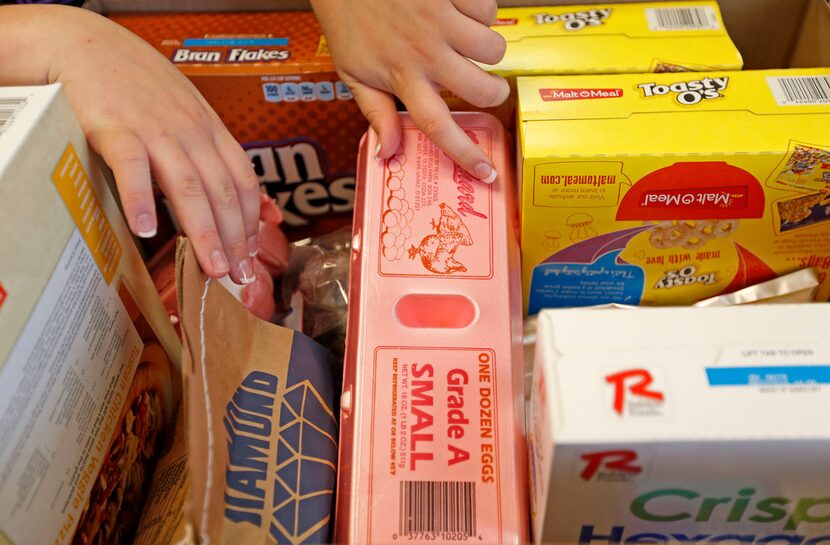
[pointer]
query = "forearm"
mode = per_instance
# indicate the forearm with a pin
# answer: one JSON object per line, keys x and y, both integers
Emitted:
{"x": 27, "y": 38}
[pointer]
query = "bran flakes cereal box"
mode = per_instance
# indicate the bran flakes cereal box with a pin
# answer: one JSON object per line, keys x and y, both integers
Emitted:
{"x": 270, "y": 78}
{"x": 432, "y": 412}
{"x": 667, "y": 189}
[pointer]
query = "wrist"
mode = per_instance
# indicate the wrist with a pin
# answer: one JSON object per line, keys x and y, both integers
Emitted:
{"x": 37, "y": 40}
{"x": 27, "y": 50}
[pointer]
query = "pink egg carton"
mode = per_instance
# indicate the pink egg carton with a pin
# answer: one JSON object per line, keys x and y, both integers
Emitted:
{"x": 432, "y": 413}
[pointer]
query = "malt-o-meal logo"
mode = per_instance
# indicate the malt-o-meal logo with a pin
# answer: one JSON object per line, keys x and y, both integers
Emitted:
{"x": 557, "y": 95}
{"x": 632, "y": 386}
{"x": 610, "y": 465}
{"x": 574, "y": 20}
{"x": 688, "y": 93}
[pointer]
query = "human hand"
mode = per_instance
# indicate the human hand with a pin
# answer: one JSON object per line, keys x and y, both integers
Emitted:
{"x": 410, "y": 49}
{"x": 141, "y": 114}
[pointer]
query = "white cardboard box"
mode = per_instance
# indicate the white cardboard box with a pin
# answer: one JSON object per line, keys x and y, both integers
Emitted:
{"x": 682, "y": 426}
{"x": 78, "y": 312}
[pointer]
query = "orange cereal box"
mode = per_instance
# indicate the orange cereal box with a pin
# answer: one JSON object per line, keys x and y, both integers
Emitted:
{"x": 270, "y": 78}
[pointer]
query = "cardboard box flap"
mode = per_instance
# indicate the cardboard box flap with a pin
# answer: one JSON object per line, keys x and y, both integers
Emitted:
{"x": 671, "y": 373}
{"x": 812, "y": 48}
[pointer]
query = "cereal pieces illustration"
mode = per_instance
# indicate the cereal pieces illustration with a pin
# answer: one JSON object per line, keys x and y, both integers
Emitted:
{"x": 437, "y": 251}
{"x": 690, "y": 235}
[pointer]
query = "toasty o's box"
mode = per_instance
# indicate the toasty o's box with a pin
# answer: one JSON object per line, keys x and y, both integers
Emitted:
{"x": 609, "y": 39}
{"x": 615, "y": 38}
{"x": 271, "y": 79}
{"x": 671, "y": 188}
{"x": 432, "y": 412}
{"x": 681, "y": 425}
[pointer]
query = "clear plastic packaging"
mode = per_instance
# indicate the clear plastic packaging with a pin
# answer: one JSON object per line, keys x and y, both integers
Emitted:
{"x": 315, "y": 289}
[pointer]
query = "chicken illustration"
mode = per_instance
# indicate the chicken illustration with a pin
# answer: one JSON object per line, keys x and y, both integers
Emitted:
{"x": 437, "y": 251}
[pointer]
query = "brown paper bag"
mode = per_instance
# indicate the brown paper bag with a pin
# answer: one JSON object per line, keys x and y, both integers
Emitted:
{"x": 262, "y": 429}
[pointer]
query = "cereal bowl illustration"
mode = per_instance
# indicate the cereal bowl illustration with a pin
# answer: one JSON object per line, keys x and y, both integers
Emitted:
{"x": 437, "y": 251}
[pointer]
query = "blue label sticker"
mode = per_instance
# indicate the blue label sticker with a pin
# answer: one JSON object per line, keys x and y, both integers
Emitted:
{"x": 557, "y": 285}
{"x": 272, "y": 92}
{"x": 290, "y": 92}
{"x": 308, "y": 91}
{"x": 343, "y": 91}
{"x": 325, "y": 90}
{"x": 769, "y": 376}
{"x": 234, "y": 42}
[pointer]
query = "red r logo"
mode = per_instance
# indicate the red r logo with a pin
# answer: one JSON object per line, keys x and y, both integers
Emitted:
{"x": 618, "y": 460}
{"x": 639, "y": 388}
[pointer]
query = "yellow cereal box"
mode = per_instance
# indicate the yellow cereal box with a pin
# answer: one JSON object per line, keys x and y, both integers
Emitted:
{"x": 615, "y": 38}
{"x": 661, "y": 189}
{"x": 608, "y": 39}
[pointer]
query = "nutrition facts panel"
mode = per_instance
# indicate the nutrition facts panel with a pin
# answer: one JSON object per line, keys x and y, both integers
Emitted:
{"x": 59, "y": 395}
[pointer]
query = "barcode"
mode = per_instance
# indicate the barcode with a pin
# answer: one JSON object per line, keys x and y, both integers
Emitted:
{"x": 690, "y": 18}
{"x": 8, "y": 108}
{"x": 438, "y": 507}
{"x": 800, "y": 90}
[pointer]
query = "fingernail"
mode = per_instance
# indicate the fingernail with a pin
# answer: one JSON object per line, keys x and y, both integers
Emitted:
{"x": 220, "y": 264}
{"x": 253, "y": 247}
{"x": 485, "y": 173}
{"x": 145, "y": 226}
{"x": 377, "y": 152}
{"x": 246, "y": 271}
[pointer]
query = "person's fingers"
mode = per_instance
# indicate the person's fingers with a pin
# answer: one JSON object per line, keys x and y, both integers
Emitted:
{"x": 433, "y": 117}
{"x": 470, "y": 82}
{"x": 379, "y": 108}
{"x": 268, "y": 210}
{"x": 125, "y": 154}
{"x": 246, "y": 183}
{"x": 476, "y": 41}
{"x": 483, "y": 11}
{"x": 182, "y": 184}
{"x": 224, "y": 201}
